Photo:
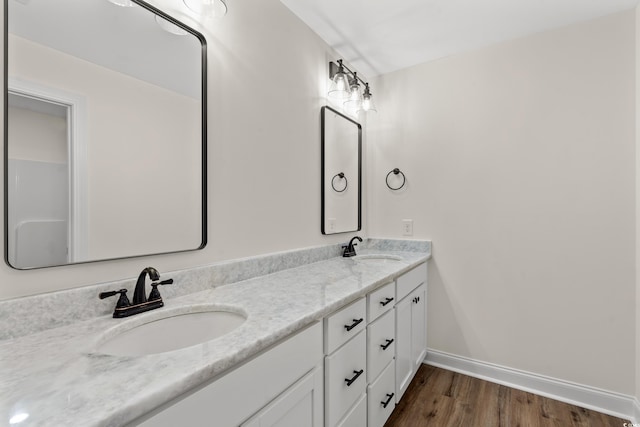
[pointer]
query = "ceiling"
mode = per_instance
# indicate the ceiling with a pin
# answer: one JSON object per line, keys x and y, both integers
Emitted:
{"x": 377, "y": 37}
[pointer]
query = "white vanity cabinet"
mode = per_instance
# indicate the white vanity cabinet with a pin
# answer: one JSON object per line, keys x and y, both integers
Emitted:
{"x": 411, "y": 323}
{"x": 281, "y": 387}
{"x": 349, "y": 370}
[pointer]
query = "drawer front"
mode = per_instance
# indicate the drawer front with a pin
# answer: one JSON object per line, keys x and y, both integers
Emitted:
{"x": 381, "y": 398}
{"x": 380, "y": 301}
{"x": 381, "y": 344}
{"x": 357, "y": 415}
{"x": 411, "y": 280}
{"x": 345, "y": 378}
{"x": 343, "y": 325}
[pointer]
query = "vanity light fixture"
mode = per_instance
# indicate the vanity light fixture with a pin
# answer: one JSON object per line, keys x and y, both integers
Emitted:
{"x": 346, "y": 86}
{"x": 207, "y": 8}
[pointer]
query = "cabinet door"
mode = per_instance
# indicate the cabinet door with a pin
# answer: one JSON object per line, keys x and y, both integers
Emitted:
{"x": 345, "y": 378}
{"x": 404, "y": 356}
{"x": 357, "y": 415}
{"x": 418, "y": 326}
{"x": 298, "y": 406}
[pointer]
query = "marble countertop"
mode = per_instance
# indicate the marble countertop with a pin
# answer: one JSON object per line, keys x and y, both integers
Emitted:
{"x": 58, "y": 378}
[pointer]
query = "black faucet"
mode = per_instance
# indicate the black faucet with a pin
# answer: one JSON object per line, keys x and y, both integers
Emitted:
{"x": 350, "y": 249}
{"x": 140, "y": 293}
{"x": 140, "y": 304}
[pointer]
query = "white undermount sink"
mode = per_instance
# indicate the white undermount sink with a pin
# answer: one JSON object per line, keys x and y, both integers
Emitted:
{"x": 377, "y": 258}
{"x": 168, "y": 331}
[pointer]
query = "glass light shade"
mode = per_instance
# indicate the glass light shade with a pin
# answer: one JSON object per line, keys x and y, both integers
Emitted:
{"x": 368, "y": 105}
{"x": 367, "y": 102}
{"x": 208, "y": 8}
{"x": 170, "y": 27}
{"x": 123, "y": 3}
{"x": 355, "y": 97}
{"x": 339, "y": 88}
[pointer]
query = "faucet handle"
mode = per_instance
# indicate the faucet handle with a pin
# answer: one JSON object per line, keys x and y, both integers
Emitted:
{"x": 155, "y": 294}
{"x": 123, "y": 301}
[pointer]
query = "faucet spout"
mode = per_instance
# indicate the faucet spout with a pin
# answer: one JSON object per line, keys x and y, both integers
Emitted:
{"x": 140, "y": 293}
{"x": 350, "y": 249}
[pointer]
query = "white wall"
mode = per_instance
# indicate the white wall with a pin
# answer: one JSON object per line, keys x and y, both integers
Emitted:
{"x": 30, "y": 129}
{"x": 267, "y": 80}
{"x": 520, "y": 167}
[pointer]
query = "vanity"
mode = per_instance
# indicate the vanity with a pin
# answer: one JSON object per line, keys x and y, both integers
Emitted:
{"x": 302, "y": 341}
{"x": 352, "y": 366}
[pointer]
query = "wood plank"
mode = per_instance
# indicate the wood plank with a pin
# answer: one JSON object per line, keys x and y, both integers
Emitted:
{"x": 440, "y": 398}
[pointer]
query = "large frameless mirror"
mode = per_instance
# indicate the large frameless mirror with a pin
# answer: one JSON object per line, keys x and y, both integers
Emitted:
{"x": 341, "y": 173}
{"x": 105, "y": 132}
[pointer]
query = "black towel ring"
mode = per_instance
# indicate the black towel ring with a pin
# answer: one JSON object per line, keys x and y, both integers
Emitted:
{"x": 396, "y": 171}
{"x": 339, "y": 175}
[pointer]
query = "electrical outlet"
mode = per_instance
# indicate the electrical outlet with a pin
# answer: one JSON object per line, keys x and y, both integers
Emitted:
{"x": 332, "y": 224}
{"x": 407, "y": 227}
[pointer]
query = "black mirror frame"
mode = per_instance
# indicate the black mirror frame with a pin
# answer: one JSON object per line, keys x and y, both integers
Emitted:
{"x": 322, "y": 172}
{"x": 203, "y": 43}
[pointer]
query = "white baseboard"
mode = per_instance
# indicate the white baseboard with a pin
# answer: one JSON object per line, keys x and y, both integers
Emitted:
{"x": 616, "y": 404}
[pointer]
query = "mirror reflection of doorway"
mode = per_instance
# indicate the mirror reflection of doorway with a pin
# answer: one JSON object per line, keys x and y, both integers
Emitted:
{"x": 38, "y": 181}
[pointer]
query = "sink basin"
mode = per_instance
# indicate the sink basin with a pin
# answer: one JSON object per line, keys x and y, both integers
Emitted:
{"x": 172, "y": 331}
{"x": 377, "y": 258}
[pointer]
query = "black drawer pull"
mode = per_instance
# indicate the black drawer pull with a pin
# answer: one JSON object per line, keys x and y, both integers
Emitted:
{"x": 386, "y": 301}
{"x": 355, "y": 377}
{"x": 389, "y": 397}
{"x": 355, "y": 323}
{"x": 386, "y": 346}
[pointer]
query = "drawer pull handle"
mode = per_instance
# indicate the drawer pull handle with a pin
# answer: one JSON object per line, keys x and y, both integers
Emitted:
{"x": 389, "y": 397}
{"x": 355, "y": 323}
{"x": 386, "y": 301}
{"x": 416, "y": 299}
{"x": 386, "y": 346}
{"x": 355, "y": 377}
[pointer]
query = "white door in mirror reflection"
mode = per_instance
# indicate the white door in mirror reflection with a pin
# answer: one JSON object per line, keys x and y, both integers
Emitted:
{"x": 46, "y": 161}
{"x": 38, "y": 173}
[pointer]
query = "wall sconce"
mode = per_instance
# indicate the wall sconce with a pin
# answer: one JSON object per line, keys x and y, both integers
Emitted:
{"x": 207, "y": 8}
{"x": 346, "y": 87}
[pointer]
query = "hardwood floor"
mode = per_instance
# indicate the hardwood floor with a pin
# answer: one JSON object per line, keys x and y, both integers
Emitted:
{"x": 441, "y": 398}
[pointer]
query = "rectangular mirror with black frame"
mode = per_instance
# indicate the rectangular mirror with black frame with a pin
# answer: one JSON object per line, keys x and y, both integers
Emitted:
{"x": 341, "y": 173}
{"x": 105, "y": 132}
